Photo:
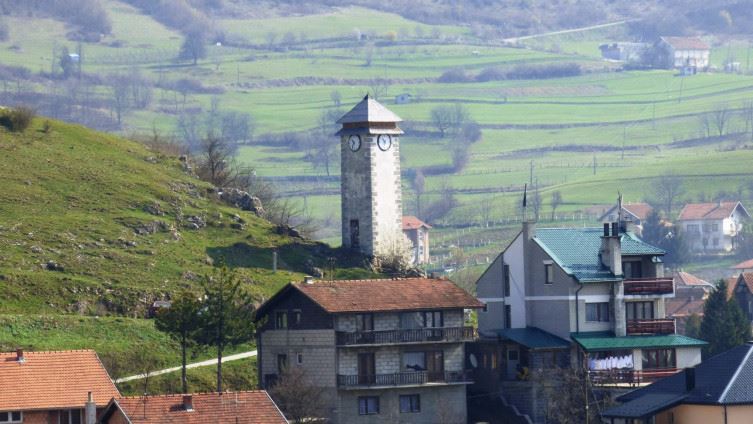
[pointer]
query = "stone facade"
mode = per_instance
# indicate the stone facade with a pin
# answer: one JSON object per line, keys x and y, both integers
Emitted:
{"x": 441, "y": 404}
{"x": 371, "y": 193}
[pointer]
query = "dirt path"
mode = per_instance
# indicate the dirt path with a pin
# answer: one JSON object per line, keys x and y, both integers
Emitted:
{"x": 209, "y": 362}
{"x": 568, "y": 31}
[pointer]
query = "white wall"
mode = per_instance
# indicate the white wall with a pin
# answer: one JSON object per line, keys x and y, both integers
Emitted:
{"x": 688, "y": 356}
{"x": 513, "y": 257}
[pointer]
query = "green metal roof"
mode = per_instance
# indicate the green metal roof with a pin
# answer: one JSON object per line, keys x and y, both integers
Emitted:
{"x": 530, "y": 337}
{"x": 596, "y": 341}
{"x": 576, "y": 250}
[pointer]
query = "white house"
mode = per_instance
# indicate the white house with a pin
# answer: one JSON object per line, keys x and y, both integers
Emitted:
{"x": 635, "y": 213}
{"x": 712, "y": 227}
{"x": 686, "y": 52}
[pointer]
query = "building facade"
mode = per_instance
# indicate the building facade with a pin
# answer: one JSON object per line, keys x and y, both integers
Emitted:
{"x": 382, "y": 351}
{"x": 712, "y": 227}
{"x": 583, "y": 297}
{"x": 633, "y": 213}
{"x": 686, "y": 53}
{"x": 417, "y": 232}
{"x": 370, "y": 186}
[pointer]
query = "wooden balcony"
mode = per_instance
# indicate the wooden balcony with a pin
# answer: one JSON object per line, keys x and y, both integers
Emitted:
{"x": 621, "y": 377}
{"x": 420, "y": 335}
{"x": 649, "y": 286}
{"x": 415, "y": 378}
{"x": 650, "y": 326}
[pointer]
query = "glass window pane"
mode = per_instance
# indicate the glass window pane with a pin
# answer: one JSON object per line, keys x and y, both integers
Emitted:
{"x": 414, "y": 361}
{"x": 404, "y": 404}
{"x": 3, "y": 416}
{"x": 76, "y": 416}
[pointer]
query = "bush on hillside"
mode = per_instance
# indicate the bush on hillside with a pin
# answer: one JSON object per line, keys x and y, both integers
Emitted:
{"x": 453, "y": 75}
{"x": 552, "y": 70}
{"x": 17, "y": 119}
{"x": 490, "y": 74}
{"x": 4, "y": 31}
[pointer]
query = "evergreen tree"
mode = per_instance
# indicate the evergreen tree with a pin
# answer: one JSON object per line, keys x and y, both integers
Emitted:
{"x": 669, "y": 238}
{"x": 724, "y": 326}
{"x": 226, "y": 315}
{"x": 194, "y": 46}
{"x": 693, "y": 326}
{"x": 181, "y": 321}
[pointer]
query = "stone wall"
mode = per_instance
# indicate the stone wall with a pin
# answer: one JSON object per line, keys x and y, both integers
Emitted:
{"x": 438, "y": 404}
{"x": 316, "y": 346}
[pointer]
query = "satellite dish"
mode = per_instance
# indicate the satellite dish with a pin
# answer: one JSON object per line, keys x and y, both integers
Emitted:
{"x": 473, "y": 361}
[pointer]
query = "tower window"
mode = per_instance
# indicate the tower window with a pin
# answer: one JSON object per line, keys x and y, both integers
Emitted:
{"x": 354, "y": 234}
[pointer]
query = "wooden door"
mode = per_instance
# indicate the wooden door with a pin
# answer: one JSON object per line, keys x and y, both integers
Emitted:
{"x": 366, "y": 368}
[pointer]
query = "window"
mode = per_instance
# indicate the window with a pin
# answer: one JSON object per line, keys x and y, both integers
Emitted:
{"x": 281, "y": 319}
{"x": 282, "y": 362}
{"x": 299, "y": 358}
{"x": 368, "y": 405}
{"x": 427, "y": 319}
{"x": 714, "y": 227}
{"x": 414, "y": 361}
{"x": 508, "y": 316}
{"x": 549, "y": 273}
{"x": 11, "y": 417}
{"x": 410, "y": 403}
{"x": 365, "y": 322}
{"x": 692, "y": 228}
{"x": 72, "y": 416}
{"x": 597, "y": 312}
{"x": 658, "y": 358}
{"x": 632, "y": 269}
{"x": 639, "y": 310}
{"x": 506, "y": 276}
{"x": 296, "y": 317}
{"x": 512, "y": 355}
{"x": 716, "y": 241}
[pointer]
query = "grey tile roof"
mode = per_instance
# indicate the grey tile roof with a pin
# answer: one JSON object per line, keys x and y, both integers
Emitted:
{"x": 576, "y": 250}
{"x": 369, "y": 110}
{"x": 724, "y": 379}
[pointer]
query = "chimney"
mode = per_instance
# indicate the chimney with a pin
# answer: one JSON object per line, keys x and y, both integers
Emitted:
{"x": 20, "y": 355}
{"x": 308, "y": 279}
{"x": 689, "y": 379}
{"x": 90, "y": 410}
{"x": 611, "y": 251}
{"x": 529, "y": 230}
{"x": 188, "y": 402}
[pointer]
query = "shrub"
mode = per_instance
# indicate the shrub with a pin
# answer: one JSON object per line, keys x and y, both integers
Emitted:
{"x": 4, "y": 31}
{"x": 553, "y": 70}
{"x": 453, "y": 75}
{"x": 17, "y": 119}
{"x": 490, "y": 74}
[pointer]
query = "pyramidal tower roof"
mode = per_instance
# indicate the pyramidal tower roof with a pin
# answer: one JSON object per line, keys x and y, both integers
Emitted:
{"x": 369, "y": 110}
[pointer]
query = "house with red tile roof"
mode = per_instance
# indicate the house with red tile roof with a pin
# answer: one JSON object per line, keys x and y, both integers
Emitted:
{"x": 53, "y": 387}
{"x": 712, "y": 227}
{"x": 744, "y": 266}
{"x": 689, "y": 53}
{"x": 381, "y": 351}
{"x": 417, "y": 232}
{"x": 246, "y": 407}
{"x": 634, "y": 213}
{"x": 742, "y": 292}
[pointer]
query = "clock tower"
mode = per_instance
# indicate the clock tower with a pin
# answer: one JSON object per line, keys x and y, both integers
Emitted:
{"x": 370, "y": 189}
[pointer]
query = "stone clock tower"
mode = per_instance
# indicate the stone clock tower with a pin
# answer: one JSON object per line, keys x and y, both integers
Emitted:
{"x": 370, "y": 187}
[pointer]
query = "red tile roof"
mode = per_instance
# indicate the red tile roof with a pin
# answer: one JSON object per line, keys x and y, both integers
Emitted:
{"x": 719, "y": 210}
{"x": 744, "y": 265}
{"x": 688, "y": 279}
{"x": 686, "y": 43}
{"x": 731, "y": 283}
{"x": 248, "y": 407}
{"x": 413, "y": 223}
{"x": 641, "y": 210}
{"x": 387, "y": 295}
{"x": 680, "y": 308}
{"x": 53, "y": 380}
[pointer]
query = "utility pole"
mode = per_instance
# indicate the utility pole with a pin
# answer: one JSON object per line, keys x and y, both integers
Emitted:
{"x": 530, "y": 178}
{"x": 594, "y": 163}
{"x": 624, "y": 137}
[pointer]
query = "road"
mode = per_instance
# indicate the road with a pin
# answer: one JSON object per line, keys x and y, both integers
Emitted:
{"x": 206, "y": 363}
{"x": 567, "y": 31}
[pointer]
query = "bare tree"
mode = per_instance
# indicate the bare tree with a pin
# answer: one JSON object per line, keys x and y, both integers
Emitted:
{"x": 298, "y": 397}
{"x": 556, "y": 202}
{"x": 460, "y": 157}
{"x": 120, "y": 86}
{"x": 485, "y": 207}
{"x": 666, "y": 191}
{"x": 419, "y": 186}
{"x": 369, "y": 54}
{"x": 378, "y": 87}
{"x": 720, "y": 117}
{"x": 577, "y": 404}
{"x": 215, "y": 165}
{"x": 747, "y": 115}
{"x": 336, "y": 97}
{"x": 194, "y": 46}
{"x": 449, "y": 117}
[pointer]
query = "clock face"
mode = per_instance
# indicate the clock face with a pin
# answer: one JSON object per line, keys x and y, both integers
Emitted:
{"x": 354, "y": 142}
{"x": 384, "y": 142}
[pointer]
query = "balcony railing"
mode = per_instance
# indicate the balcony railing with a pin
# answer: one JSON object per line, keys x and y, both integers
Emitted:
{"x": 649, "y": 286}
{"x": 419, "y": 335}
{"x": 650, "y": 326}
{"x": 618, "y": 377}
{"x": 403, "y": 379}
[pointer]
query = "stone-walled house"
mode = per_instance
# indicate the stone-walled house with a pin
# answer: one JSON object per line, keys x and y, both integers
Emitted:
{"x": 417, "y": 232}
{"x": 382, "y": 351}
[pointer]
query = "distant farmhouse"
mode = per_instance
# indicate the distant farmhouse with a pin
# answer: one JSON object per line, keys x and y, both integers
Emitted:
{"x": 712, "y": 227}
{"x": 689, "y": 54}
{"x": 403, "y": 98}
{"x": 417, "y": 232}
{"x": 633, "y": 213}
{"x": 624, "y": 52}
